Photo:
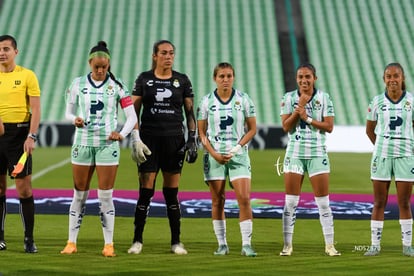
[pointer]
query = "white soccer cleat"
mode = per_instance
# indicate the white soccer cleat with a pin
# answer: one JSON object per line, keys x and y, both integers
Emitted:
{"x": 408, "y": 251}
{"x": 287, "y": 250}
{"x": 222, "y": 250}
{"x": 135, "y": 248}
{"x": 331, "y": 251}
{"x": 374, "y": 250}
{"x": 178, "y": 249}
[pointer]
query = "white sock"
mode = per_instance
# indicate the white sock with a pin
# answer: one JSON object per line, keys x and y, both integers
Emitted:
{"x": 107, "y": 213}
{"x": 376, "y": 231}
{"x": 326, "y": 218}
{"x": 246, "y": 229}
{"x": 289, "y": 217}
{"x": 219, "y": 227}
{"x": 406, "y": 231}
{"x": 76, "y": 213}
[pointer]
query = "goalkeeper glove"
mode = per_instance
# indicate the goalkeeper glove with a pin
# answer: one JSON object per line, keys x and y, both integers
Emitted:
{"x": 191, "y": 146}
{"x": 139, "y": 149}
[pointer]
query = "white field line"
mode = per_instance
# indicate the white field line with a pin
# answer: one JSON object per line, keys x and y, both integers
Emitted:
{"x": 47, "y": 170}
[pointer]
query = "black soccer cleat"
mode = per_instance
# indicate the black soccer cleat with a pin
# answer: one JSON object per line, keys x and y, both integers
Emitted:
{"x": 3, "y": 245}
{"x": 29, "y": 245}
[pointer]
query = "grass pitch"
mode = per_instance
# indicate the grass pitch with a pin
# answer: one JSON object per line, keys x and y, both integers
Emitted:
{"x": 350, "y": 174}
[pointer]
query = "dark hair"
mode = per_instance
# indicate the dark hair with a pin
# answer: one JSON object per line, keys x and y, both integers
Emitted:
{"x": 101, "y": 50}
{"x": 398, "y": 65}
{"x": 100, "y": 47}
{"x": 222, "y": 65}
{"x": 307, "y": 65}
{"x": 155, "y": 49}
{"x": 10, "y": 38}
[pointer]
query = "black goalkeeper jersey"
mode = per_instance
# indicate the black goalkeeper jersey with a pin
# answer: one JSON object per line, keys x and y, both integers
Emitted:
{"x": 162, "y": 102}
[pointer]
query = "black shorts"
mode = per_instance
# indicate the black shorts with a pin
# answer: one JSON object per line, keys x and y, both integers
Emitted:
{"x": 11, "y": 148}
{"x": 167, "y": 153}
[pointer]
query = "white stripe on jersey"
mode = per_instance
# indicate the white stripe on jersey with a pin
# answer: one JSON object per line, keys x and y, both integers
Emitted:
{"x": 98, "y": 106}
{"x": 306, "y": 141}
{"x": 225, "y": 121}
{"x": 394, "y": 129}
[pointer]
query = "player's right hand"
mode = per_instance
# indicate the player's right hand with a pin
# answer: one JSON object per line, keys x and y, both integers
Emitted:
{"x": 139, "y": 149}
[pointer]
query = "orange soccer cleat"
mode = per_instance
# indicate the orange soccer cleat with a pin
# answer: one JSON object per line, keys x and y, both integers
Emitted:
{"x": 108, "y": 250}
{"x": 69, "y": 248}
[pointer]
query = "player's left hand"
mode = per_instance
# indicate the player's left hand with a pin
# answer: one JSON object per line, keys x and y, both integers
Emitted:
{"x": 191, "y": 147}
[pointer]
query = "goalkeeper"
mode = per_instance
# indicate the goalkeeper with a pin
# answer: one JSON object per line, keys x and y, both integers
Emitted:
{"x": 165, "y": 96}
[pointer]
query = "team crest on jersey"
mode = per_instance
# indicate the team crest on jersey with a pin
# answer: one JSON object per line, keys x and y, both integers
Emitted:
{"x": 317, "y": 105}
{"x": 407, "y": 106}
{"x": 110, "y": 90}
{"x": 176, "y": 83}
{"x": 237, "y": 105}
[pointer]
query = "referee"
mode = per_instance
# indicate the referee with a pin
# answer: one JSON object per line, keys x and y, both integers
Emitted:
{"x": 20, "y": 112}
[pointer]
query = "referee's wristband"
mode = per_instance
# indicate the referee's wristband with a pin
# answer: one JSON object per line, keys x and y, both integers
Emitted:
{"x": 309, "y": 120}
{"x": 32, "y": 136}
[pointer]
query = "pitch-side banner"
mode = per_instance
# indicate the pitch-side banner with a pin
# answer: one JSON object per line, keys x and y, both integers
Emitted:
{"x": 198, "y": 204}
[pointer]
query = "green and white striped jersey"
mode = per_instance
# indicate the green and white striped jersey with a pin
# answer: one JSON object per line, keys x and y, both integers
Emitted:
{"x": 98, "y": 106}
{"x": 394, "y": 129}
{"x": 225, "y": 120}
{"x": 306, "y": 141}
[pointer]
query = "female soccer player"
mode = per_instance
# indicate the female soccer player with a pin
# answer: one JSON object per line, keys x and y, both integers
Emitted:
{"x": 389, "y": 126}
{"x": 92, "y": 106}
{"x": 159, "y": 144}
{"x": 307, "y": 114}
{"x": 222, "y": 116}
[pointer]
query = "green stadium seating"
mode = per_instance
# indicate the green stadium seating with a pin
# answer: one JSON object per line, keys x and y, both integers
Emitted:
{"x": 350, "y": 43}
{"x": 54, "y": 38}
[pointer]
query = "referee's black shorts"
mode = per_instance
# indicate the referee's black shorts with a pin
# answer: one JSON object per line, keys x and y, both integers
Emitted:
{"x": 167, "y": 153}
{"x": 11, "y": 148}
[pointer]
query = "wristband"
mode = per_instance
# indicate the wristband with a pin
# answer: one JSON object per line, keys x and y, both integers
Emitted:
{"x": 309, "y": 120}
{"x": 32, "y": 136}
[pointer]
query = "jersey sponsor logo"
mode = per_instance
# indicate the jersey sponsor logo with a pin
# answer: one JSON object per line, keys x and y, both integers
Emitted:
{"x": 161, "y": 111}
{"x": 17, "y": 82}
{"x": 162, "y": 93}
{"x": 96, "y": 106}
{"x": 226, "y": 121}
{"x": 150, "y": 83}
{"x": 395, "y": 122}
